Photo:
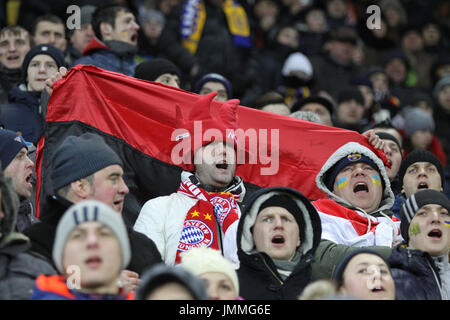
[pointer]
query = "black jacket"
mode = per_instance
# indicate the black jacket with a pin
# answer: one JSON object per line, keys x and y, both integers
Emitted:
{"x": 144, "y": 253}
{"x": 258, "y": 275}
{"x": 415, "y": 274}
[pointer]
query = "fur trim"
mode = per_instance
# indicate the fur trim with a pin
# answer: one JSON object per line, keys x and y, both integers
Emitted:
{"x": 352, "y": 147}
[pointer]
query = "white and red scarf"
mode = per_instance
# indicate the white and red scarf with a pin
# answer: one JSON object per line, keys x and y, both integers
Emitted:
{"x": 200, "y": 225}
{"x": 353, "y": 228}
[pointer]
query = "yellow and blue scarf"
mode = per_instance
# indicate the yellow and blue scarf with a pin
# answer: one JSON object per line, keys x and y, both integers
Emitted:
{"x": 193, "y": 19}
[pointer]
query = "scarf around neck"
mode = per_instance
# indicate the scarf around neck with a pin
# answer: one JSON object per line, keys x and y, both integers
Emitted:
{"x": 209, "y": 218}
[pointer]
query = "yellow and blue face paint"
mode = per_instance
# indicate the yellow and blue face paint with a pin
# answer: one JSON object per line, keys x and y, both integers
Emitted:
{"x": 447, "y": 224}
{"x": 342, "y": 183}
{"x": 376, "y": 180}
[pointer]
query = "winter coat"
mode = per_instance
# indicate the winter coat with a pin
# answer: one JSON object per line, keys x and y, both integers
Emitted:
{"x": 415, "y": 274}
{"x": 19, "y": 268}
{"x": 23, "y": 113}
{"x": 9, "y": 78}
{"x": 42, "y": 235}
{"x": 162, "y": 220}
{"x": 258, "y": 275}
{"x": 55, "y": 288}
{"x": 114, "y": 56}
{"x": 345, "y": 224}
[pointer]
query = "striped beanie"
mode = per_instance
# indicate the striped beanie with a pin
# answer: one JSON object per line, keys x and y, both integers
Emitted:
{"x": 415, "y": 202}
{"x": 86, "y": 211}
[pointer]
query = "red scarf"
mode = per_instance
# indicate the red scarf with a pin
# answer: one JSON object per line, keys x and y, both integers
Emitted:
{"x": 200, "y": 228}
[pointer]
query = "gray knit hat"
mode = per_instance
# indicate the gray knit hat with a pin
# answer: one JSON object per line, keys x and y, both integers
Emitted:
{"x": 416, "y": 120}
{"x": 79, "y": 157}
{"x": 85, "y": 211}
{"x": 444, "y": 81}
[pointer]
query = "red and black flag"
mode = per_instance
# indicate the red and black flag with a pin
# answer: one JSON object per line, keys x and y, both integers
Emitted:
{"x": 137, "y": 119}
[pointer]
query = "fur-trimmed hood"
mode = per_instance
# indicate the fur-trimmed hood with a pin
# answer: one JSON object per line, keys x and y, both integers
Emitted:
{"x": 388, "y": 198}
{"x": 312, "y": 228}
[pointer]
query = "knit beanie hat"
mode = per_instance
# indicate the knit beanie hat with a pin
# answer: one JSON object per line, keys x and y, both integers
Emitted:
{"x": 10, "y": 145}
{"x": 285, "y": 201}
{"x": 416, "y": 119}
{"x": 443, "y": 82}
{"x": 350, "y": 93}
{"x": 297, "y": 62}
{"x": 415, "y": 202}
{"x": 338, "y": 274}
{"x": 152, "y": 69}
{"x": 202, "y": 260}
{"x": 214, "y": 77}
{"x": 79, "y": 157}
{"x": 419, "y": 155}
{"x": 47, "y": 49}
{"x": 313, "y": 99}
{"x": 85, "y": 211}
{"x": 352, "y": 158}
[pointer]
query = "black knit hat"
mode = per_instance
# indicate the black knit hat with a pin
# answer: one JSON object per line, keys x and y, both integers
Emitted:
{"x": 338, "y": 274}
{"x": 419, "y": 155}
{"x": 47, "y": 49}
{"x": 289, "y": 204}
{"x": 152, "y": 69}
{"x": 313, "y": 99}
{"x": 79, "y": 157}
{"x": 415, "y": 202}
{"x": 350, "y": 93}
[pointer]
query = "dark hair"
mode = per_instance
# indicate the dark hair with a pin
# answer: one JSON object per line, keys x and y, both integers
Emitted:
{"x": 106, "y": 13}
{"x": 46, "y": 17}
{"x": 14, "y": 30}
{"x": 268, "y": 98}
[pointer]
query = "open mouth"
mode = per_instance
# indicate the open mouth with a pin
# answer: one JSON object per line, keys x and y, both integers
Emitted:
{"x": 278, "y": 239}
{"x": 28, "y": 180}
{"x": 223, "y": 166}
{"x": 360, "y": 187}
{"x": 11, "y": 58}
{"x": 380, "y": 289}
{"x": 435, "y": 233}
{"x": 422, "y": 185}
{"x": 134, "y": 37}
{"x": 94, "y": 261}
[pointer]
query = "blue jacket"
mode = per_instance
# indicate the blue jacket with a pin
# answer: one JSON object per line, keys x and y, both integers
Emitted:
{"x": 415, "y": 274}
{"x": 22, "y": 113}
{"x": 114, "y": 56}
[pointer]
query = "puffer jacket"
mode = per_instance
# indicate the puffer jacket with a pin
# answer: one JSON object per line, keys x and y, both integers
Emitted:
{"x": 415, "y": 275}
{"x": 258, "y": 274}
{"x": 116, "y": 56}
{"x": 23, "y": 113}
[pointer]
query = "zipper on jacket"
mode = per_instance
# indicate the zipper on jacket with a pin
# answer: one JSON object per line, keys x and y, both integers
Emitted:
{"x": 437, "y": 279}
{"x": 219, "y": 238}
{"x": 270, "y": 269}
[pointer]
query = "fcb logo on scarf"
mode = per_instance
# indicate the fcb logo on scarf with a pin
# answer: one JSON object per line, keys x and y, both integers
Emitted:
{"x": 195, "y": 234}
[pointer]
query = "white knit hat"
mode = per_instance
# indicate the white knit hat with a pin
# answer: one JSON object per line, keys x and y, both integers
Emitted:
{"x": 85, "y": 211}
{"x": 297, "y": 62}
{"x": 202, "y": 260}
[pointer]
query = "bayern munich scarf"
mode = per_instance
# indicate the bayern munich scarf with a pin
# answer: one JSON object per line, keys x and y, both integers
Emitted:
{"x": 200, "y": 225}
{"x": 193, "y": 19}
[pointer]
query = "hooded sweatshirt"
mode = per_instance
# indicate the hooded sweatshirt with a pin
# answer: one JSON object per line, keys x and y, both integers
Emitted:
{"x": 260, "y": 276}
{"x": 346, "y": 224}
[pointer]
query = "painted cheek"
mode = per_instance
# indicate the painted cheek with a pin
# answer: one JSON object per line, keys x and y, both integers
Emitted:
{"x": 376, "y": 180}
{"x": 341, "y": 183}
